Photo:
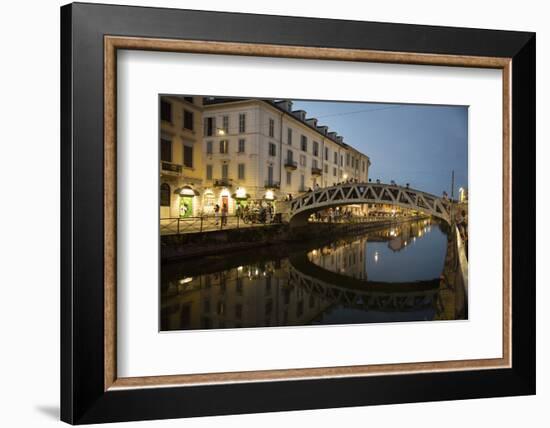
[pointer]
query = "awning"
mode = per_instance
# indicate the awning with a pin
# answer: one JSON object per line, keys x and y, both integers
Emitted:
{"x": 240, "y": 197}
{"x": 186, "y": 191}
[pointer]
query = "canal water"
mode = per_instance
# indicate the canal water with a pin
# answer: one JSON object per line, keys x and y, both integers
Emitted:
{"x": 387, "y": 275}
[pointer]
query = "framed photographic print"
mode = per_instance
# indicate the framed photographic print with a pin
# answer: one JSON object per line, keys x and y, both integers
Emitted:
{"x": 266, "y": 213}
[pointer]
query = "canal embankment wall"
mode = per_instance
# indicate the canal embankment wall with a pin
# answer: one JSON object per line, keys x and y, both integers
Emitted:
{"x": 190, "y": 245}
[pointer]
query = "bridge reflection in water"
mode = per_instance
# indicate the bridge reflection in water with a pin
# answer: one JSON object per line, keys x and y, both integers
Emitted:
{"x": 389, "y": 275}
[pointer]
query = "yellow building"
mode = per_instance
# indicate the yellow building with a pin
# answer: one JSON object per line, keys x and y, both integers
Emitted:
{"x": 181, "y": 166}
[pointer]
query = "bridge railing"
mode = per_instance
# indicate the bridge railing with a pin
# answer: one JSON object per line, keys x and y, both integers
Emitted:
{"x": 372, "y": 193}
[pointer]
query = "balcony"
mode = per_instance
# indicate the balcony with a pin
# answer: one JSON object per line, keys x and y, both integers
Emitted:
{"x": 316, "y": 171}
{"x": 270, "y": 184}
{"x": 223, "y": 182}
{"x": 169, "y": 168}
{"x": 290, "y": 165}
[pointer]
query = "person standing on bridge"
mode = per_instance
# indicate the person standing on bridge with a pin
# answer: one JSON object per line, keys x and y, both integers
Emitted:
{"x": 216, "y": 213}
{"x": 224, "y": 215}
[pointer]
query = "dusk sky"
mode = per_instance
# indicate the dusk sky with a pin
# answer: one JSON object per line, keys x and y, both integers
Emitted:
{"x": 416, "y": 144}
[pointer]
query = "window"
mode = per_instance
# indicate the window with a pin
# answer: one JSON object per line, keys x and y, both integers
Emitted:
{"x": 347, "y": 159}
{"x": 241, "y": 145}
{"x": 188, "y": 119}
{"x": 209, "y": 172}
{"x": 270, "y": 174}
{"x": 363, "y": 166}
{"x": 225, "y": 171}
{"x": 166, "y": 111}
{"x": 303, "y": 160}
{"x": 303, "y": 143}
{"x": 272, "y": 149}
{"x": 326, "y": 153}
{"x": 326, "y": 169}
{"x": 336, "y": 158}
{"x": 225, "y": 124}
{"x": 164, "y": 195}
{"x": 289, "y": 155}
{"x": 209, "y": 126}
{"x": 341, "y": 160}
{"x": 271, "y": 128}
{"x": 209, "y": 147}
{"x": 288, "y": 178}
{"x": 188, "y": 156}
{"x": 242, "y": 123}
{"x": 188, "y": 99}
{"x": 334, "y": 171}
{"x": 340, "y": 173}
{"x": 289, "y": 137}
{"x": 241, "y": 171}
{"x": 314, "y": 163}
{"x": 224, "y": 146}
{"x": 315, "y": 148}
{"x": 302, "y": 182}
{"x": 166, "y": 150}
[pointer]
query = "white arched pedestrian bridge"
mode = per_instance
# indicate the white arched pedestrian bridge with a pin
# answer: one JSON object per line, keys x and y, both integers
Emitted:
{"x": 299, "y": 209}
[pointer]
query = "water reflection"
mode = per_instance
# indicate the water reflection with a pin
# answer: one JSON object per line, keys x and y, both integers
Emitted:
{"x": 387, "y": 275}
{"x": 407, "y": 252}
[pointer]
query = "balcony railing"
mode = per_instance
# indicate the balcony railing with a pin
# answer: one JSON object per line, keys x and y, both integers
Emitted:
{"x": 316, "y": 171}
{"x": 171, "y": 168}
{"x": 223, "y": 182}
{"x": 291, "y": 164}
{"x": 270, "y": 184}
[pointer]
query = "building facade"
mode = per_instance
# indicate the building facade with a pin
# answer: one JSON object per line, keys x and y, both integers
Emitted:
{"x": 248, "y": 151}
{"x": 181, "y": 165}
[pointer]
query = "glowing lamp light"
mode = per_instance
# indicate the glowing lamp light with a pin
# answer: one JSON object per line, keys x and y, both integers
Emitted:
{"x": 269, "y": 195}
{"x": 241, "y": 192}
{"x": 345, "y": 176}
{"x": 186, "y": 280}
